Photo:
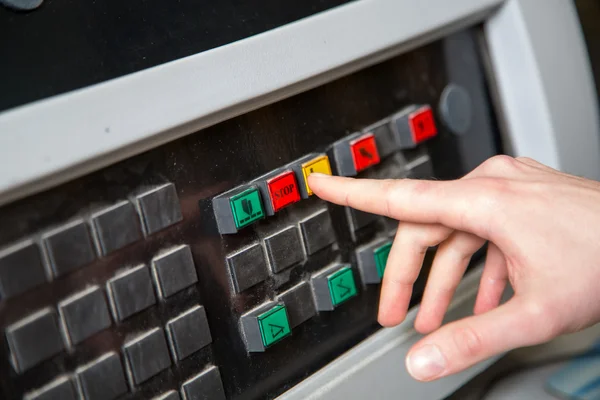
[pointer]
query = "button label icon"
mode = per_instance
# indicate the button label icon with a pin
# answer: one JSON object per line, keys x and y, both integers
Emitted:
{"x": 381, "y": 256}
{"x": 283, "y": 190}
{"x": 276, "y": 330}
{"x": 364, "y": 152}
{"x": 274, "y": 325}
{"x": 422, "y": 124}
{"x": 341, "y": 286}
{"x": 319, "y": 164}
{"x": 344, "y": 290}
{"x": 246, "y": 207}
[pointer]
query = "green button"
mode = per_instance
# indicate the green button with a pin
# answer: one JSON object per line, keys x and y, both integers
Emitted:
{"x": 381, "y": 256}
{"x": 274, "y": 325}
{"x": 341, "y": 286}
{"x": 246, "y": 207}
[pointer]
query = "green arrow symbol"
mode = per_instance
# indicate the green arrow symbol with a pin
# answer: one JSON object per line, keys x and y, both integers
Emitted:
{"x": 276, "y": 330}
{"x": 346, "y": 289}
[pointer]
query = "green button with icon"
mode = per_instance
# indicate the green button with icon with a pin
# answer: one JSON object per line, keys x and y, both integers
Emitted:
{"x": 381, "y": 255}
{"x": 246, "y": 207}
{"x": 274, "y": 325}
{"x": 341, "y": 286}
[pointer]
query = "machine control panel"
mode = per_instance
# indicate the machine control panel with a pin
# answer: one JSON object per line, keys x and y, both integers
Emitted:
{"x": 206, "y": 268}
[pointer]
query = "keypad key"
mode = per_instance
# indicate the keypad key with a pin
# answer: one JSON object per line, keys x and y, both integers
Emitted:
{"x": 238, "y": 208}
{"x": 309, "y": 164}
{"x": 284, "y": 249}
{"x": 69, "y": 247}
{"x": 355, "y": 153}
{"x": 34, "y": 339}
{"x": 116, "y": 226}
{"x": 147, "y": 355}
{"x": 384, "y": 137}
{"x": 359, "y": 219}
{"x": 372, "y": 259}
{"x": 299, "y": 303}
{"x": 278, "y": 189}
{"x": 413, "y": 125}
{"x": 207, "y": 385}
{"x": 172, "y": 395}
{"x": 102, "y": 379}
{"x": 131, "y": 292}
{"x": 174, "y": 270}
{"x": 84, "y": 314}
{"x": 247, "y": 267}
{"x": 59, "y": 389}
{"x": 21, "y": 269}
{"x": 333, "y": 286}
{"x": 159, "y": 208}
{"x": 189, "y": 332}
{"x": 317, "y": 231}
{"x": 264, "y": 326}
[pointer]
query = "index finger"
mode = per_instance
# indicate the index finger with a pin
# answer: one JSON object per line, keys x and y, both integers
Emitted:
{"x": 466, "y": 205}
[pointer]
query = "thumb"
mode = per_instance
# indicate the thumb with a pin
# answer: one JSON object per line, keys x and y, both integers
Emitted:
{"x": 464, "y": 343}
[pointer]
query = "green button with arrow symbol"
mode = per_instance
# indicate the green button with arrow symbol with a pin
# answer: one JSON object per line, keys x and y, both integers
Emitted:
{"x": 381, "y": 254}
{"x": 341, "y": 286}
{"x": 274, "y": 325}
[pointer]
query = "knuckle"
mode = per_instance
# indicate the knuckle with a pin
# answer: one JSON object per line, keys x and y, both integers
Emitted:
{"x": 468, "y": 342}
{"x": 461, "y": 245}
{"x": 419, "y": 242}
{"x": 499, "y": 163}
{"x": 428, "y": 236}
{"x": 400, "y": 279}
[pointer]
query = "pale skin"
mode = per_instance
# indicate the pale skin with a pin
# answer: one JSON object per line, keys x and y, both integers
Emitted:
{"x": 542, "y": 229}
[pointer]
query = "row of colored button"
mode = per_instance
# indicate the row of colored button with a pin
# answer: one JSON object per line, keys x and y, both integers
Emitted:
{"x": 278, "y": 189}
{"x": 244, "y": 205}
{"x": 327, "y": 289}
{"x": 273, "y": 321}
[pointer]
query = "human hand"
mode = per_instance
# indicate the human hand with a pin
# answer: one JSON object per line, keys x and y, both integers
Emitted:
{"x": 542, "y": 227}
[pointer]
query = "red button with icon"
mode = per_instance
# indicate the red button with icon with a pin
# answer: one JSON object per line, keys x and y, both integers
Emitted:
{"x": 422, "y": 124}
{"x": 283, "y": 190}
{"x": 364, "y": 152}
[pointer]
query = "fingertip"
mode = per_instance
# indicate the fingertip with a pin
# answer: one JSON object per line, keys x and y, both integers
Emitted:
{"x": 389, "y": 318}
{"x": 314, "y": 179}
{"x": 320, "y": 184}
{"x": 317, "y": 176}
{"x": 393, "y": 304}
{"x": 389, "y": 322}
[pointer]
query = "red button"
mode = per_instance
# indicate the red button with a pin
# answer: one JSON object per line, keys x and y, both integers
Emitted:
{"x": 284, "y": 190}
{"x": 422, "y": 124}
{"x": 364, "y": 152}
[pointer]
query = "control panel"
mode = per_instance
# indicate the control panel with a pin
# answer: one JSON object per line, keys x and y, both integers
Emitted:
{"x": 206, "y": 268}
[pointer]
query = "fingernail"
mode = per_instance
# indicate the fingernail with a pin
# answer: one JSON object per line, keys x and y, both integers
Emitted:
{"x": 426, "y": 363}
